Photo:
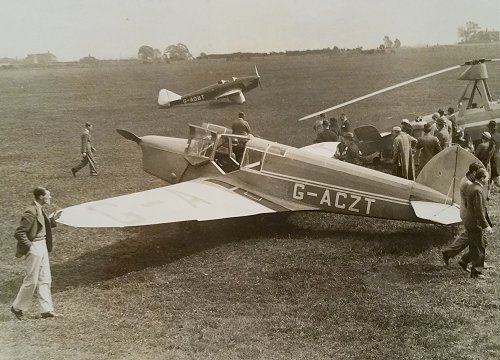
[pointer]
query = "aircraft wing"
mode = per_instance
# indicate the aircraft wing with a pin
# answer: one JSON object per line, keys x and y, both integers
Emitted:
{"x": 445, "y": 214}
{"x": 200, "y": 199}
{"x": 229, "y": 93}
{"x": 327, "y": 149}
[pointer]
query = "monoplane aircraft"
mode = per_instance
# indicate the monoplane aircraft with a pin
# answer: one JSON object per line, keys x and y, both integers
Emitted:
{"x": 224, "y": 89}
{"x": 208, "y": 183}
{"x": 476, "y": 110}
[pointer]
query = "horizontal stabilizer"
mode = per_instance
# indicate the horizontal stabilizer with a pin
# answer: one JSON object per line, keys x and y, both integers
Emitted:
{"x": 445, "y": 214}
{"x": 192, "y": 200}
{"x": 165, "y": 97}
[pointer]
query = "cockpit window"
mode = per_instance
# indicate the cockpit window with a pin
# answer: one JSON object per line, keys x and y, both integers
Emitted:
{"x": 252, "y": 159}
{"x": 201, "y": 141}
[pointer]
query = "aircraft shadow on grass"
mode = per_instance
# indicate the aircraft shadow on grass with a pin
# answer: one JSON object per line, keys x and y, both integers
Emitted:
{"x": 171, "y": 242}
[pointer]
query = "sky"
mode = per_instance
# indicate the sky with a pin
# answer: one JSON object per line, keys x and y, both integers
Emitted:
{"x": 116, "y": 29}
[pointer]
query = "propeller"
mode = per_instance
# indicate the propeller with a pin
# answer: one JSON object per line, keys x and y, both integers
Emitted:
{"x": 258, "y": 77}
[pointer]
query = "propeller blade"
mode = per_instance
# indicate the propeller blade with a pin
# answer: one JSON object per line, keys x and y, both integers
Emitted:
{"x": 129, "y": 136}
{"x": 380, "y": 91}
{"x": 258, "y": 77}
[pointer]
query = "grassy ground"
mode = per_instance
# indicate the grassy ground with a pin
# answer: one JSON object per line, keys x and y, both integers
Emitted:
{"x": 309, "y": 286}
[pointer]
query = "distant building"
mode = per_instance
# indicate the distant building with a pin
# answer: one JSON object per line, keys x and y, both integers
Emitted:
{"x": 41, "y": 59}
{"x": 88, "y": 60}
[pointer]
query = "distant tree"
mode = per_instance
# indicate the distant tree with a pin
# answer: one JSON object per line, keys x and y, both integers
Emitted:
{"x": 381, "y": 47}
{"x": 336, "y": 50}
{"x": 177, "y": 52}
{"x": 145, "y": 53}
{"x": 467, "y": 31}
{"x": 387, "y": 42}
{"x": 397, "y": 44}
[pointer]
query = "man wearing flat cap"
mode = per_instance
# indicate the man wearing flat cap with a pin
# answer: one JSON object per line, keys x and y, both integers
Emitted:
{"x": 403, "y": 165}
{"x": 428, "y": 145}
{"x": 442, "y": 133}
{"x": 485, "y": 150}
{"x": 87, "y": 151}
{"x": 348, "y": 151}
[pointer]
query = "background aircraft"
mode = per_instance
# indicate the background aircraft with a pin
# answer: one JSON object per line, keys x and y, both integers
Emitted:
{"x": 223, "y": 89}
{"x": 477, "y": 106}
{"x": 209, "y": 183}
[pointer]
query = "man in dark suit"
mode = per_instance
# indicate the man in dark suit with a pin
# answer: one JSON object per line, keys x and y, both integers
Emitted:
{"x": 87, "y": 151}
{"x": 34, "y": 242}
{"x": 477, "y": 224}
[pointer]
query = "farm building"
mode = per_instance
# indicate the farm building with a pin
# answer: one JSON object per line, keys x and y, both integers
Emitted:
{"x": 41, "y": 59}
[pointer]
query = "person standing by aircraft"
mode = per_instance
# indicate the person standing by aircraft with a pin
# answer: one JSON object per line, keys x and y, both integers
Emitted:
{"x": 442, "y": 133}
{"x": 428, "y": 145}
{"x": 462, "y": 240}
{"x": 477, "y": 224}
{"x": 345, "y": 126}
{"x": 34, "y": 242}
{"x": 403, "y": 165}
{"x": 349, "y": 152}
{"x": 87, "y": 151}
{"x": 463, "y": 139}
{"x": 406, "y": 126}
{"x": 326, "y": 135}
{"x": 240, "y": 126}
{"x": 318, "y": 124}
{"x": 448, "y": 124}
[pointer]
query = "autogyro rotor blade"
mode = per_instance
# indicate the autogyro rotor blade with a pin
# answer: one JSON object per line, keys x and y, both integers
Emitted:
{"x": 381, "y": 91}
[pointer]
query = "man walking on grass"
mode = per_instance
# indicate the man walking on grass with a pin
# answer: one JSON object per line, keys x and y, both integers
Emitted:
{"x": 34, "y": 242}
{"x": 87, "y": 151}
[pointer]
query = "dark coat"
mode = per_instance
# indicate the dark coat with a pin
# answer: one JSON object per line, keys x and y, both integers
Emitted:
{"x": 476, "y": 216}
{"x": 326, "y": 135}
{"x": 29, "y": 228}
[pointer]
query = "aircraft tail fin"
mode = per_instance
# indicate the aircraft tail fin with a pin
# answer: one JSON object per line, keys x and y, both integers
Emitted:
{"x": 445, "y": 170}
{"x": 166, "y": 97}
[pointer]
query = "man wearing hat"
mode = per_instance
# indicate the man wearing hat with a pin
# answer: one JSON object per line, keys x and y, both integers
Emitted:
{"x": 349, "y": 152}
{"x": 428, "y": 145}
{"x": 403, "y": 165}
{"x": 87, "y": 151}
{"x": 485, "y": 149}
{"x": 240, "y": 126}
{"x": 406, "y": 126}
{"x": 442, "y": 133}
{"x": 345, "y": 126}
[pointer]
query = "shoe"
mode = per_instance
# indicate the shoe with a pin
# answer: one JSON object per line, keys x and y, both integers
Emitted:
{"x": 93, "y": 174}
{"x": 477, "y": 275}
{"x": 446, "y": 258}
{"x": 73, "y": 171}
{"x": 463, "y": 265}
{"x": 19, "y": 313}
{"x": 49, "y": 314}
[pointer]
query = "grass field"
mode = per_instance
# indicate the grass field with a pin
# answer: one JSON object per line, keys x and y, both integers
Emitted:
{"x": 311, "y": 286}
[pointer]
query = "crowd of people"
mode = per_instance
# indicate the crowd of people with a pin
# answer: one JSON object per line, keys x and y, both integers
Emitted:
{"x": 414, "y": 145}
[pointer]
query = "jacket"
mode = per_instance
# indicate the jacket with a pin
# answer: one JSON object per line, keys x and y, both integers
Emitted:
{"x": 29, "y": 228}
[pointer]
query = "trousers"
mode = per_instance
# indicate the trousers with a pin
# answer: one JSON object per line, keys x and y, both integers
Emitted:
{"x": 38, "y": 277}
{"x": 456, "y": 247}
{"x": 88, "y": 159}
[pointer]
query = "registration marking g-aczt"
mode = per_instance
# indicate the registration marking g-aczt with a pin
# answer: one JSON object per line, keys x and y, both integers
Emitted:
{"x": 327, "y": 198}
